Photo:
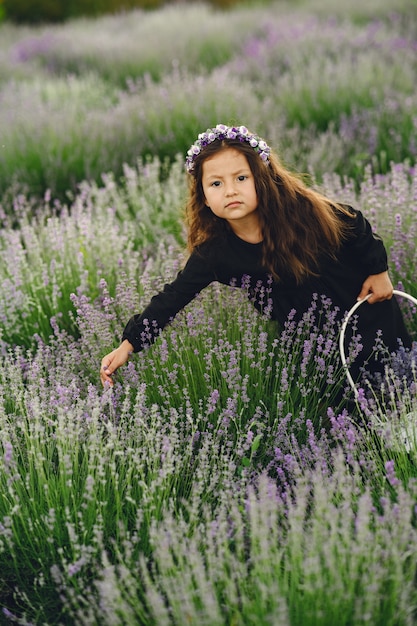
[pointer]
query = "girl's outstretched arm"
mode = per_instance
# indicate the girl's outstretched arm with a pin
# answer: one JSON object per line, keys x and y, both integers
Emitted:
{"x": 379, "y": 285}
{"x": 111, "y": 362}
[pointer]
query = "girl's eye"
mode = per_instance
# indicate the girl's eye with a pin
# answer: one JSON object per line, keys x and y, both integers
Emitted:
{"x": 217, "y": 183}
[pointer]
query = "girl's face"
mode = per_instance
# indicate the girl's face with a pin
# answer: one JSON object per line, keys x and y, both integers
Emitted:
{"x": 229, "y": 190}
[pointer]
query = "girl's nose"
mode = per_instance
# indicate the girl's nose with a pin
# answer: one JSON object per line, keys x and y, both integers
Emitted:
{"x": 230, "y": 189}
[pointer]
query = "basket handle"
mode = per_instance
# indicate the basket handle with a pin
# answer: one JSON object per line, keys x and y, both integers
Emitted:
{"x": 343, "y": 332}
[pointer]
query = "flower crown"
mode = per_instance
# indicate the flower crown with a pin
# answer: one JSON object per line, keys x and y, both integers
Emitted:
{"x": 221, "y": 131}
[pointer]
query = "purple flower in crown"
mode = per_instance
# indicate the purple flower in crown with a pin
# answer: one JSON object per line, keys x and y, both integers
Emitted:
{"x": 220, "y": 132}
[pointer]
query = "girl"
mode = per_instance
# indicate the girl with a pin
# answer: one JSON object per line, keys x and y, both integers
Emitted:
{"x": 249, "y": 216}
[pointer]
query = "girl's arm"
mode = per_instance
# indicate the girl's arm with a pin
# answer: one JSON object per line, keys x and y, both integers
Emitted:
{"x": 365, "y": 247}
{"x": 142, "y": 329}
{"x": 368, "y": 250}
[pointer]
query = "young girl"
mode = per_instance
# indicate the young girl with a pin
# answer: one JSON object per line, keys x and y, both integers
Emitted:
{"x": 249, "y": 216}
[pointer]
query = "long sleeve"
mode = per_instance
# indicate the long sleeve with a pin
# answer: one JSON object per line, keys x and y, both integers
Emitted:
{"x": 366, "y": 246}
{"x": 142, "y": 328}
{"x": 230, "y": 260}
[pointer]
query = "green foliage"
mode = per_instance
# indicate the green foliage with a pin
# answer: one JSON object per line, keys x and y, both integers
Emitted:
{"x": 118, "y": 508}
{"x": 122, "y": 48}
{"x": 81, "y": 134}
{"x": 224, "y": 4}
{"x": 41, "y": 11}
{"x": 103, "y": 93}
{"x": 33, "y": 11}
{"x": 58, "y": 251}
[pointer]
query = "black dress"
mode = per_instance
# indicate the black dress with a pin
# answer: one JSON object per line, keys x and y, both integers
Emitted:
{"x": 230, "y": 260}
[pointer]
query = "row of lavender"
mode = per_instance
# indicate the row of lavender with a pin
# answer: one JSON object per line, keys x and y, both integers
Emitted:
{"x": 214, "y": 484}
{"x": 331, "y": 93}
{"x": 203, "y": 487}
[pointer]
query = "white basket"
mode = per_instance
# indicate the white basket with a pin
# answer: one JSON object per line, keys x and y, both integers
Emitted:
{"x": 343, "y": 332}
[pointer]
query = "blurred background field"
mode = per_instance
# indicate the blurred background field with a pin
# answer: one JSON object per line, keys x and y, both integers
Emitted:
{"x": 202, "y": 488}
{"x": 333, "y": 89}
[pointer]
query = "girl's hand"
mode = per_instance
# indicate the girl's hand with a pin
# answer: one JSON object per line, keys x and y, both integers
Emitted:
{"x": 379, "y": 285}
{"x": 111, "y": 362}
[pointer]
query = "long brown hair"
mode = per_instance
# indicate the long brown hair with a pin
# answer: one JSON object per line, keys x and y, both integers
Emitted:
{"x": 298, "y": 224}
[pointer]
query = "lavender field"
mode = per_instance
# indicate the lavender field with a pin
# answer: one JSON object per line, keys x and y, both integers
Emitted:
{"x": 219, "y": 482}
